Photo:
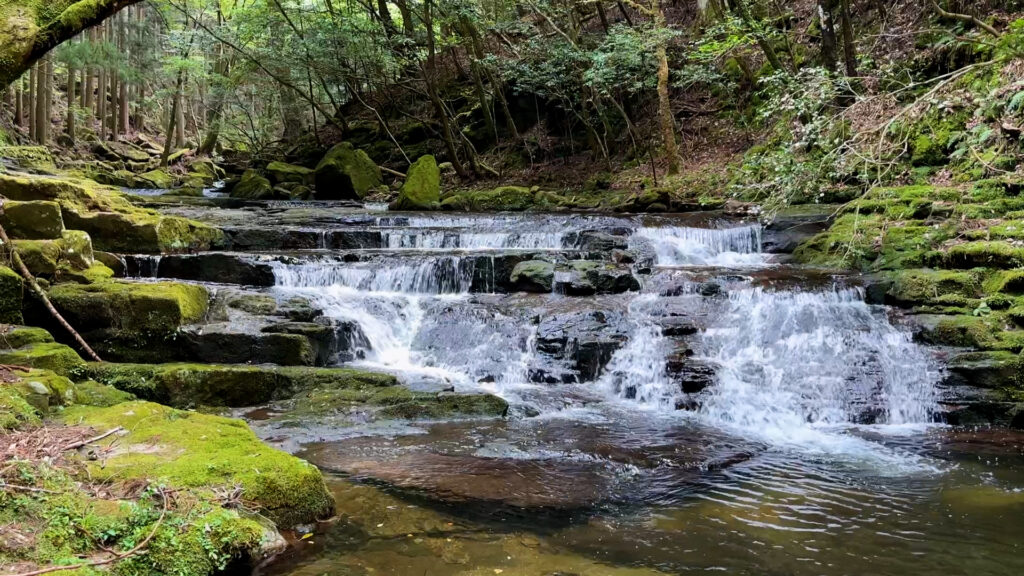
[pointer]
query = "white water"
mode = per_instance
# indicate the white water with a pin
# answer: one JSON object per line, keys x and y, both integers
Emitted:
{"x": 449, "y": 240}
{"x": 682, "y": 246}
{"x": 797, "y": 365}
{"x": 441, "y": 275}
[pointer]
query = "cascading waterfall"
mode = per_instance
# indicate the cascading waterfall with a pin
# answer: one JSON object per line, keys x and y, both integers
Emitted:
{"x": 683, "y": 246}
{"x": 792, "y": 363}
{"x": 637, "y": 371}
{"x": 441, "y": 275}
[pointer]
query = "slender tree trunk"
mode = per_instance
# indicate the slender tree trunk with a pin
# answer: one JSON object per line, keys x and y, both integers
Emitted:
{"x": 829, "y": 57}
{"x": 849, "y": 47}
{"x": 70, "y": 128}
{"x": 668, "y": 126}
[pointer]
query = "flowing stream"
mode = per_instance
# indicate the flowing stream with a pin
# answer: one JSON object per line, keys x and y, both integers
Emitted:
{"x": 728, "y": 415}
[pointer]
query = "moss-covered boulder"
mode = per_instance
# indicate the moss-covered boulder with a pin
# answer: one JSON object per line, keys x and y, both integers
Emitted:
{"x": 11, "y": 292}
{"x": 146, "y": 308}
{"x": 346, "y": 173}
{"x": 502, "y": 199}
{"x": 533, "y": 276}
{"x": 113, "y": 223}
{"x": 51, "y": 356}
{"x": 253, "y": 186}
{"x": 189, "y": 385}
{"x": 191, "y": 450}
{"x": 159, "y": 179}
{"x": 422, "y": 187}
{"x": 282, "y": 172}
{"x": 35, "y": 158}
{"x": 34, "y": 220}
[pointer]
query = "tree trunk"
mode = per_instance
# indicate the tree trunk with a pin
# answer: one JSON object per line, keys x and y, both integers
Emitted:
{"x": 849, "y": 47}
{"x": 668, "y": 126}
{"x": 70, "y": 128}
{"x": 829, "y": 57}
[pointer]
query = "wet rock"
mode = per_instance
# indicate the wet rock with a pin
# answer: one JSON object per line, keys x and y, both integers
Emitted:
{"x": 346, "y": 173}
{"x": 583, "y": 340}
{"x": 465, "y": 480}
{"x": 990, "y": 370}
{"x": 258, "y": 239}
{"x": 533, "y": 276}
{"x": 33, "y": 220}
{"x": 586, "y": 277}
{"x": 354, "y": 239}
{"x": 322, "y": 336}
{"x": 215, "y": 267}
{"x": 299, "y": 310}
{"x": 223, "y": 344}
{"x": 692, "y": 375}
{"x": 422, "y": 187}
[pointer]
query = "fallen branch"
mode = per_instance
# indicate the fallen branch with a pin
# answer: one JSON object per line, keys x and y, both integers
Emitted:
{"x": 394, "y": 173}
{"x": 968, "y": 18}
{"x": 117, "y": 555}
{"x": 42, "y": 293}
{"x": 81, "y": 443}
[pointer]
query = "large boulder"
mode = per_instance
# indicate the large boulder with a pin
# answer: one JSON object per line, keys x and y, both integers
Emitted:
{"x": 33, "y": 220}
{"x": 346, "y": 173}
{"x": 252, "y": 186}
{"x": 422, "y": 187}
{"x": 282, "y": 172}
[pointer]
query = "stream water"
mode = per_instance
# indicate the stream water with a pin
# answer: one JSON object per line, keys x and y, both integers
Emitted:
{"x": 735, "y": 414}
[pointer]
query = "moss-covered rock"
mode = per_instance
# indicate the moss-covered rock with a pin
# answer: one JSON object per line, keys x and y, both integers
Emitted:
{"x": 346, "y": 173}
{"x": 282, "y": 172}
{"x": 13, "y": 336}
{"x": 191, "y": 450}
{"x": 146, "y": 308}
{"x": 11, "y": 292}
{"x": 188, "y": 385}
{"x": 253, "y": 186}
{"x": 422, "y": 187}
{"x": 159, "y": 179}
{"x": 38, "y": 220}
{"x": 533, "y": 276}
{"x": 52, "y": 356}
{"x": 35, "y": 158}
{"x": 113, "y": 223}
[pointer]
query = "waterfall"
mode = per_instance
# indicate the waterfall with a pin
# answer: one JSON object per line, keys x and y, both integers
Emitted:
{"x": 795, "y": 361}
{"x": 637, "y": 371}
{"x": 441, "y": 275}
{"x": 683, "y": 246}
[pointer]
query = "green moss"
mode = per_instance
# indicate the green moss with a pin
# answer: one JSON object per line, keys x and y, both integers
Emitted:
{"x": 228, "y": 385}
{"x": 346, "y": 173}
{"x": 922, "y": 286}
{"x": 34, "y": 220}
{"x": 203, "y": 451}
{"x": 159, "y": 179}
{"x": 18, "y": 336}
{"x": 155, "y": 308}
{"x": 252, "y": 186}
{"x": 11, "y": 292}
{"x": 422, "y": 187}
{"x": 47, "y": 355}
{"x": 984, "y": 255}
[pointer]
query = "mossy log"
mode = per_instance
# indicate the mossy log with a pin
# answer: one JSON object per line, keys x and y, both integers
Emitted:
{"x": 31, "y": 28}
